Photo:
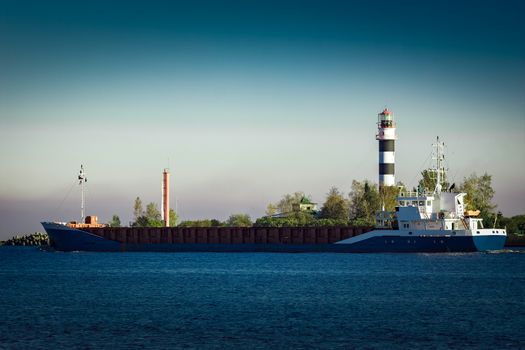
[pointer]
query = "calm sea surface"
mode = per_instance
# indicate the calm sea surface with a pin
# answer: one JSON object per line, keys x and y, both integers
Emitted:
{"x": 259, "y": 301}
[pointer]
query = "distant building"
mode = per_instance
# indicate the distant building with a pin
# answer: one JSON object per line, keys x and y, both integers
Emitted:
{"x": 305, "y": 205}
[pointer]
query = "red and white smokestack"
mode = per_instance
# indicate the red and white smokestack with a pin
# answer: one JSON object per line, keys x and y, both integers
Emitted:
{"x": 166, "y": 197}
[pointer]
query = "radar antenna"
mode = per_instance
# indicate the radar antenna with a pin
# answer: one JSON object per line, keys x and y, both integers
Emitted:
{"x": 438, "y": 156}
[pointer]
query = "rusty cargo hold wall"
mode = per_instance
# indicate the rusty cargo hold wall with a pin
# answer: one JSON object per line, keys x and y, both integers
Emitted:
{"x": 227, "y": 235}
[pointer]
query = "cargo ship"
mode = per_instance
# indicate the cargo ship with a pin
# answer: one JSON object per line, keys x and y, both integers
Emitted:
{"x": 415, "y": 235}
{"x": 422, "y": 222}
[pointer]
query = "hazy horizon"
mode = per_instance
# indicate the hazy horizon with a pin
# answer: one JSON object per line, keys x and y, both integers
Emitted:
{"x": 246, "y": 101}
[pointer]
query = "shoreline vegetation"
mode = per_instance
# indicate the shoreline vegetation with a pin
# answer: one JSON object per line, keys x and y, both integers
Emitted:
{"x": 515, "y": 240}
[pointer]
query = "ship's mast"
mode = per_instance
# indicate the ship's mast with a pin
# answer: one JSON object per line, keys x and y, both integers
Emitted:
{"x": 82, "y": 179}
{"x": 438, "y": 157}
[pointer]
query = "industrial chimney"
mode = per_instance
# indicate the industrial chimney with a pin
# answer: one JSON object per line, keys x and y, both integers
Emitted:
{"x": 166, "y": 197}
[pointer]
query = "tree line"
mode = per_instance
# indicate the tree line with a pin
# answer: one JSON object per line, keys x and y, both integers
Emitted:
{"x": 357, "y": 208}
{"x": 152, "y": 217}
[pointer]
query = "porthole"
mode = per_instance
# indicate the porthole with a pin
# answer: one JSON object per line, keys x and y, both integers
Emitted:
{"x": 392, "y": 241}
{"x": 410, "y": 233}
{"x": 441, "y": 241}
{"x": 477, "y": 232}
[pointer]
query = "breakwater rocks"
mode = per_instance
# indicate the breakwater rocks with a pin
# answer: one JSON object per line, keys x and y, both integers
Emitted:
{"x": 35, "y": 239}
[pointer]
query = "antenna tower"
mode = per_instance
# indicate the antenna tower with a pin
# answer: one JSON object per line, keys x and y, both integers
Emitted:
{"x": 439, "y": 171}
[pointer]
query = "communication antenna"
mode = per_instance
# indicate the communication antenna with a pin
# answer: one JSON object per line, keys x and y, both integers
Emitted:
{"x": 82, "y": 180}
{"x": 439, "y": 170}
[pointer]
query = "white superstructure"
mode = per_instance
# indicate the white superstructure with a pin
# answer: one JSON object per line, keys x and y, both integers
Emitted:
{"x": 430, "y": 219}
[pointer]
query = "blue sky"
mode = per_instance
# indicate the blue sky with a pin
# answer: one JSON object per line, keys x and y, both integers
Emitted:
{"x": 248, "y": 100}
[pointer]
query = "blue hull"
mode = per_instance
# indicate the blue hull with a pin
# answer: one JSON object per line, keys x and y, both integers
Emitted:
{"x": 68, "y": 239}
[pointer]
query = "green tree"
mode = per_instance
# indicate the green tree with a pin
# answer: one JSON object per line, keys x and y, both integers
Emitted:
{"x": 152, "y": 212}
{"x": 173, "y": 218}
{"x": 153, "y": 215}
{"x": 365, "y": 201}
{"x": 216, "y": 223}
{"x": 479, "y": 195}
{"x": 138, "y": 211}
{"x": 239, "y": 220}
{"x": 271, "y": 209}
{"x": 335, "y": 207}
{"x": 144, "y": 221}
{"x": 514, "y": 225}
{"x": 149, "y": 218}
{"x": 115, "y": 221}
{"x": 387, "y": 196}
{"x": 429, "y": 179}
{"x": 196, "y": 223}
{"x": 290, "y": 203}
{"x": 302, "y": 218}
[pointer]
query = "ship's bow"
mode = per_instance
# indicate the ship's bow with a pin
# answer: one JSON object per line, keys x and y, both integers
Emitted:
{"x": 65, "y": 238}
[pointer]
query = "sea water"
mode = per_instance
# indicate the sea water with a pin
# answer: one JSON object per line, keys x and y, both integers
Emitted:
{"x": 54, "y": 300}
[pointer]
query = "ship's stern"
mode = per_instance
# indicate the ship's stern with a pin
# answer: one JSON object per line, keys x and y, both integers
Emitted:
{"x": 489, "y": 239}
